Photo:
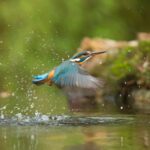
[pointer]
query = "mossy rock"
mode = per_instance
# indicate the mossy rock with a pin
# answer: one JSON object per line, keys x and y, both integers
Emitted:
{"x": 125, "y": 72}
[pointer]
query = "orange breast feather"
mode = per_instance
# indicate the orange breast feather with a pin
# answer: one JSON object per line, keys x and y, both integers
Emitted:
{"x": 50, "y": 76}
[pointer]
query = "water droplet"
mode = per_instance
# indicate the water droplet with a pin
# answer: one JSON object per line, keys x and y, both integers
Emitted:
{"x": 5, "y": 137}
{"x": 44, "y": 118}
{"x": 19, "y": 116}
{"x": 32, "y": 105}
{"x": 32, "y": 137}
{"x": 121, "y": 107}
{"x": 1, "y": 42}
{"x": 2, "y": 115}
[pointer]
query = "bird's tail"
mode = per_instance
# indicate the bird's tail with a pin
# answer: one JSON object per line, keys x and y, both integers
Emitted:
{"x": 40, "y": 79}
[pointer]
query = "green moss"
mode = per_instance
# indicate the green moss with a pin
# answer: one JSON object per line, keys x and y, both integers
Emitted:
{"x": 123, "y": 63}
{"x": 144, "y": 47}
{"x": 128, "y": 61}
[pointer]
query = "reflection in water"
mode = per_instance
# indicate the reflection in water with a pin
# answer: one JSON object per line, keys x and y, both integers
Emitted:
{"x": 100, "y": 137}
{"x": 86, "y": 146}
{"x": 89, "y": 141}
{"x": 16, "y": 139}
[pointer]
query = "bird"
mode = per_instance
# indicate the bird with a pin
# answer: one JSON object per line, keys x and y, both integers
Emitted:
{"x": 71, "y": 74}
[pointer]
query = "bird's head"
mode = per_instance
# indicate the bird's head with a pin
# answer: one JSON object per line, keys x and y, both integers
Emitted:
{"x": 84, "y": 56}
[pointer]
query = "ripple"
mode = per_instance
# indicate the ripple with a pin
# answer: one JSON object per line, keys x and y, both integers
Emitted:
{"x": 58, "y": 120}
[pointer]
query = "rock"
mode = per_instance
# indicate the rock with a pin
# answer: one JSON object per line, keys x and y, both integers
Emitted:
{"x": 143, "y": 36}
{"x": 5, "y": 94}
{"x": 142, "y": 100}
{"x": 125, "y": 69}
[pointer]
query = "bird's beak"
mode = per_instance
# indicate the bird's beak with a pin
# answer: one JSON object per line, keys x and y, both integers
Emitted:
{"x": 98, "y": 52}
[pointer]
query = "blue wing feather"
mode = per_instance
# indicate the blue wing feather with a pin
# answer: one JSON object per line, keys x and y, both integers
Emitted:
{"x": 39, "y": 79}
{"x": 72, "y": 75}
{"x": 43, "y": 76}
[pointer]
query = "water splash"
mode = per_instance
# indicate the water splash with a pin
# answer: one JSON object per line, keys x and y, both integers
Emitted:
{"x": 57, "y": 120}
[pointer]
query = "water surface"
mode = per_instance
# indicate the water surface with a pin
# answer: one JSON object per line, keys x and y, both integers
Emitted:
{"x": 75, "y": 133}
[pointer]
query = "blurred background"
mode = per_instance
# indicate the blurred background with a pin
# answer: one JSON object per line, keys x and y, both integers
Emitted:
{"x": 36, "y": 36}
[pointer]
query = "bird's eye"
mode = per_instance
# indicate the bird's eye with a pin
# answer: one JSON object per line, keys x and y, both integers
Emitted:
{"x": 85, "y": 54}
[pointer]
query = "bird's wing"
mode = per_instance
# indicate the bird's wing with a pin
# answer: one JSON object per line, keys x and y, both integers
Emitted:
{"x": 71, "y": 74}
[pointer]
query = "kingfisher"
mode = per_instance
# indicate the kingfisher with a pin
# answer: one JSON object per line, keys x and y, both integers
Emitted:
{"x": 71, "y": 74}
